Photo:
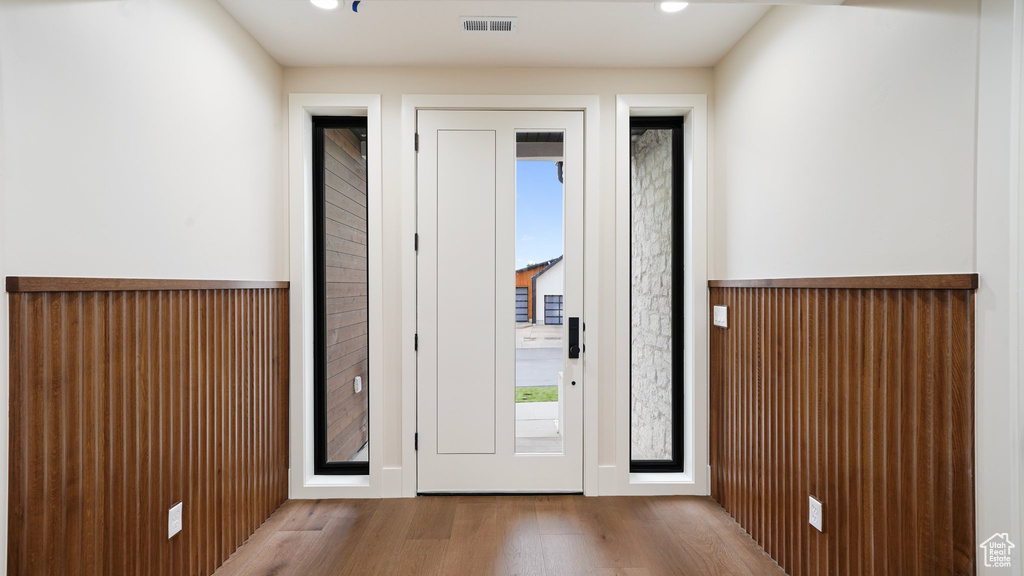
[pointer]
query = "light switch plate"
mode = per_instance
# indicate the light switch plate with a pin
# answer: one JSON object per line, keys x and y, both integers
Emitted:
{"x": 816, "y": 517}
{"x": 721, "y": 316}
{"x": 174, "y": 520}
{"x": 358, "y": 384}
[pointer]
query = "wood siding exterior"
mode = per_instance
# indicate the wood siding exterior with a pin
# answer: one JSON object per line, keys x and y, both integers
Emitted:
{"x": 862, "y": 398}
{"x": 123, "y": 403}
{"x": 524, "y": 279}
{"x": 347, "y": 307}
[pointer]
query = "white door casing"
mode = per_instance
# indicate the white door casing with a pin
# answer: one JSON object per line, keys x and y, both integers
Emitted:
{"x": 465, "y": 303}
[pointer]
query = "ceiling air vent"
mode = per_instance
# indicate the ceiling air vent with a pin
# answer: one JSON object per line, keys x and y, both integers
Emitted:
{"x": 489, "y": 24}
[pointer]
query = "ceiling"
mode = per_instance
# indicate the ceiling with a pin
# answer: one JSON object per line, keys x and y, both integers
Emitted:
{"x": 595, "y": 33}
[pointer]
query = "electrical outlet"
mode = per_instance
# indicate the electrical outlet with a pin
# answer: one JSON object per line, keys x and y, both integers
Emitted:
{"x": 721, "y": 316}
{"x": 816, "y": 517}
{"x": 358, "y": 384}
{"x": 174, "y": 520}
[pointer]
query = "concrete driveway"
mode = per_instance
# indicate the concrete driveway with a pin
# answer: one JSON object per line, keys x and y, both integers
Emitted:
{"x": 538, "y": 336}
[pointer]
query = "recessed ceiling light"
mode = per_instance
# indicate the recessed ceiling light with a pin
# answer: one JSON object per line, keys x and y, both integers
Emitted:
{"x": 325, "y": 4}
{"x": 673, "y": 6}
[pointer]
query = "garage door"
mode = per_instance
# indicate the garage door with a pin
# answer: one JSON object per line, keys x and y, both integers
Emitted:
{"x": 522, "y": 304}
{"x": 552, "y": 308}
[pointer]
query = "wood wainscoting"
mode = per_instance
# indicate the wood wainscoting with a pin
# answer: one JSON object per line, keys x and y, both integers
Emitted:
{"x": 128, "y": 396}
{"x": 860, "y": 393}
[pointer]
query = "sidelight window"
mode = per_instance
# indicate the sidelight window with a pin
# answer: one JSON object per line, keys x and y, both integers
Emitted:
{"x": 656, "y": 294}
{"x": 340, "y": 297}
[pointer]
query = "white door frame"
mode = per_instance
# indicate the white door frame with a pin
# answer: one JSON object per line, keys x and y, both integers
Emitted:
{"x": 590, "y": 105}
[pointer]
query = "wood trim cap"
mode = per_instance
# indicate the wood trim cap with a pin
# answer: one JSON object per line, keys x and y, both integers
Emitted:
{"x": 18, "y": 284}
{"x": 917, "y": 282}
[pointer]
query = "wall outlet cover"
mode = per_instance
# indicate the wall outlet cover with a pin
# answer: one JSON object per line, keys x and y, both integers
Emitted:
{"x": 816, "y": 517}
{"x": 174, "y": 520}
{"x": 722, "y": 316}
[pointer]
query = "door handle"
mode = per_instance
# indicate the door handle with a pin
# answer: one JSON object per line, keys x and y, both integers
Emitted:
{"x": 574, "y": 338}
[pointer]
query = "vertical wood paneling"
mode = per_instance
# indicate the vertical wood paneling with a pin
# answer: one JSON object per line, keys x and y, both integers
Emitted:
{"x": 123, "y": 403}
{"x": 862, "y": 398}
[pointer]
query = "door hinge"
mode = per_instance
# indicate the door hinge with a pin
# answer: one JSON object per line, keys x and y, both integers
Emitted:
{"x": 415, "y": 342}
{"x": 416, "y": 441}
{"x": 416, "y": 141}
{"x": 416, "y": 242}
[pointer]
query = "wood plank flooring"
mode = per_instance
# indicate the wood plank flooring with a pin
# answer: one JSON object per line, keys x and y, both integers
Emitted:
{"x": 501, "y": 535}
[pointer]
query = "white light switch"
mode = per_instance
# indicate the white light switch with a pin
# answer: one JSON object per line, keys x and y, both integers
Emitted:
{"x": 358, "y": 384}
{"x": 816, "y": 517}
{"x": 721, "y": 316}
{"x": 174, "y": 520}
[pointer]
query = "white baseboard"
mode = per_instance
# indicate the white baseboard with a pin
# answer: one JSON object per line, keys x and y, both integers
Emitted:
{"x": 391, "y": 483}
{"x": 607, "y": 483}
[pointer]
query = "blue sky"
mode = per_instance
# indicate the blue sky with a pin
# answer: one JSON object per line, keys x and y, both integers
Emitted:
{"x": 538, "y": 212}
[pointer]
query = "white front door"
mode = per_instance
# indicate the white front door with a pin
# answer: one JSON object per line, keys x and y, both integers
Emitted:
{"x": 500, "y": 215}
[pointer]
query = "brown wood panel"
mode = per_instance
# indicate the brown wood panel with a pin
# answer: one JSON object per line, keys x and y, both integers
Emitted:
{"x": 346, "y": 289}
{"x": 340, "y": 245}
{"x": 339, "y": 260}
{"x": 344, "y": 230}
{"x": 17, "y": 284}
{"x": 860, "y": 397}
{"x": 341, "y": 174}
{"x": 126, "y": 402}
{"x": 349, "y": 155}
{"x": 917, "y": 282}
{"x": 344, "y": 196}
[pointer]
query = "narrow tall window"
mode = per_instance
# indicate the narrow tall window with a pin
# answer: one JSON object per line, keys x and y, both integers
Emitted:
{"x": 340, "y": 263}
{"x": 656, "y": 294}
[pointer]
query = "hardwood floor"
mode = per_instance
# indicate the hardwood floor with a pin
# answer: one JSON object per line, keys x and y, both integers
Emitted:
{"x": 501, "y": 535}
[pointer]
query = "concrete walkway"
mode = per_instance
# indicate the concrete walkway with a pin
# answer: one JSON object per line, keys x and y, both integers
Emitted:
{"x": 538, "y": 437}
{"x": 536, "y": 411}
{"x": 537, "y": 428}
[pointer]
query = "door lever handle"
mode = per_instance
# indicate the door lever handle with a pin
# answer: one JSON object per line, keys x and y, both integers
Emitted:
{"x": 574, "y": 337}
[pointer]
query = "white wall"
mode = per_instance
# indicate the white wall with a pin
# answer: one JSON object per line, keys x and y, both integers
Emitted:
{"x": 845, "y": 142}
{"x": 392, "y": 83}
{"x": 137, "y": 139}
{"x": 875, "y": 138}
{"x": 140, "y": 139}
